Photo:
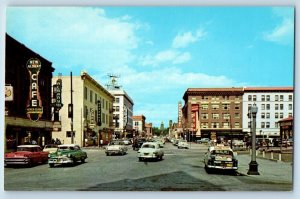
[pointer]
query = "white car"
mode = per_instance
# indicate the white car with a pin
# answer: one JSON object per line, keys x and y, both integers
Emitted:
{"x": 183, "y": 144}
{"x": 116, "y": 147}
{"x": 150, "y": 150}
{"x": 220, "y": 157}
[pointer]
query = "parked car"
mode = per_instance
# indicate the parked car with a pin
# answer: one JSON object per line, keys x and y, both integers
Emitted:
{"x": 220, "y": 157}
{"x": 51, "y": 148}
{"x": 183, "y": 144}
{"x": 127, "y": 142}
{"x": 203, "y": 140}
{"x": 150, "y": 150}
{"x": 116, "y": 147}
{"x": 67, "y": 154}
{"x": 160, "y": 143}
{"x": 26, "y": 155}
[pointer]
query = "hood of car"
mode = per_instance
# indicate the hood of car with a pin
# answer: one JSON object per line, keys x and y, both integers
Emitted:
{"x": 17, "y": 154}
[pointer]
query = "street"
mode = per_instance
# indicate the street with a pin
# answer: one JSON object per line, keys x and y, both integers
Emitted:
{"x": 180, "y": 170}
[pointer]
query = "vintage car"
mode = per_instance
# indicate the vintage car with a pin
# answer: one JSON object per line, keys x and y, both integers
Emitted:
{"x": 116, "y": 147}
{"x": 150, "y": 150}
{"x": 183, "y": 144}
{"x": 67, "y": 154}
{"x": 51, "y": 148}
{"x": 26, "y": 155}
{"x": 203, "y": 140}
{"x": 220, "y": 157}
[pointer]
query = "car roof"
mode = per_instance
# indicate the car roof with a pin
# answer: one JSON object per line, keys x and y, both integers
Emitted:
{"x": 27, "y": 145}
{"x": 220, "y": 147}
{"x": 152, "y": 143}
{"x": 67, "y": 145}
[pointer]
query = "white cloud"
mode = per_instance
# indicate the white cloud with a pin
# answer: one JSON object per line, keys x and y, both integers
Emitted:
{"x": 167, "y": 56}
{"x": 283, "y": 33}
{"x": 186, "y": 38}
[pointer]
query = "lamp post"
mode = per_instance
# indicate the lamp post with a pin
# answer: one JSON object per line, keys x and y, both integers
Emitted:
{"x": 253, "y": 166}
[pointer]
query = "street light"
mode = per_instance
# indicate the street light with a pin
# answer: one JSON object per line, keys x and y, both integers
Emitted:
{"x": 253, "y": 166}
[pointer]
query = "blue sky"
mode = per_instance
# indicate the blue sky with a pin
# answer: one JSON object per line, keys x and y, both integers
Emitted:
{"x": 159, "y": 52}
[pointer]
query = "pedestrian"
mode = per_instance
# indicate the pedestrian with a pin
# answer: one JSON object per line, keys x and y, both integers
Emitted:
{"x": 101, "y": 143}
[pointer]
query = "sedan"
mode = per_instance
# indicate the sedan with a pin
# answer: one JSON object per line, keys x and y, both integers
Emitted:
{"x": 67, "y": 154}
{"x": 26, "y": 155}
{"x": 150, "y": 150}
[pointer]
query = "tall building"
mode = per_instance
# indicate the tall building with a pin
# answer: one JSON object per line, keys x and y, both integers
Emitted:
{"x": 213, "y": 112}
{"x": 92, "y": 111}
{"x": 122, "y": 109}
{"x": 27, "y": 96}
{"x": 274, "y": 104}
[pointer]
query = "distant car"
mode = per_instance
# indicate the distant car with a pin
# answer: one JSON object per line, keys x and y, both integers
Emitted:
{"x": 183, "y": 144}
{"x": 160, "y": 143}
{"x": 150, "y": 150}
{"x": 127, "y": 142}
{"x": 67, "y": 154}
{"x": 26, "y": 155}
{"x": 203, "y": 140}
{"x": 220, "y": 157}
{"x": 51, "y": 148}
{"x": 116, "y": 147}
{"x": 137, "y": 143}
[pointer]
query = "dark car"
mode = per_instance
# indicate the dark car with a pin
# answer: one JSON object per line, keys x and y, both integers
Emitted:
{"x": 137, "y": 143}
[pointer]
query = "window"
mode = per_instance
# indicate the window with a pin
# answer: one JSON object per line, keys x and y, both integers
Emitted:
{"x": 204, "y": 125}
{"x": 281, "y": 97}
{"x": 262, "y": 125}
{"x": 276, "y": 98}
{"x": 281, "y": 106}
{"x": 96, "y": 100}
{"x": 103, "y": 103}
{"x": 268, "y": 98}
{"x": 204, "y": 106}
{"x": 276, "y": 106}
{"x": 236, "y": 106}
{"x": 215, "y": 106}
{"x": 117, "y": 108}
{"x": 106, "y": 103}
{"x": 281, "y": 115}
{"x": 268, "y": 106}
{"x": 290, "y": 98}
{"x": 268, "y": 115}
{"x": 215, "y": 115}
{"x": 225, "y": 97}
{"x": 263, "y": 98}
{"x": 262, "y": 115}
{"x": 290, "y": 114}
{"x": 226, "y": 116}
{"x": 254, "y": 97}
{"x": 249, "y": 106}
{"x": 276, "y": 115}
{"x": 249, "y": 124}
{"x": 276, "y": 125}
{"x": 204, "y": 115}
{"x": 91, "y": 96}
{"x": 263, "y": 107}
{"x": 225, "y": 124}
{"x": 249, "y": 97}
{"x": 136, "y": 123}
{"x": 290, "y": 106}
{"x": 86, "y": 111}
{"x": 85, "y": 93}
{"x": 215, "y": 125}
{"x": 236, "y": 125}
{"x": 237, "y": 97}
{"x": 236, "y": 115}
{"x": 117, "y": 99}
{"x": 69, "y": 134}
{"x": 103, "y": 118}
{"x": 267, "y": 124}
{"x": 226, "y": 106}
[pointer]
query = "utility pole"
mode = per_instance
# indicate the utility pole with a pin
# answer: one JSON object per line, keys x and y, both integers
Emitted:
{"x": 70, "y": 114}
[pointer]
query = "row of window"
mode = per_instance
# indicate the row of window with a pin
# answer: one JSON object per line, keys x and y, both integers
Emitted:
{"x": 94, "y": 99}
{"x": 217, "y": 125}
{"x": 264, "y": 125}
{"x": 217, "y": 106}
{"x": 104, "y": 117}
{"x": 277, "y": 115}
{"x": 277, "y": 106}
{"x": 217, "y": 97}
{"x": 268, "y": 98}
{"x": 217, "y": 115}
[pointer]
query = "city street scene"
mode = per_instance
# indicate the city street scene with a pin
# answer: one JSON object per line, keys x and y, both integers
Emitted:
{"x": 149, "y": 99}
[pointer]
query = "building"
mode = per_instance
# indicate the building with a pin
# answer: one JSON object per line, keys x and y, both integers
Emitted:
{"x": 139, "y": 125}
{"x": 213, "y": 113}
{"x": 149, "y": 130}
{"x": 92, "y": 111}
{"x": 27, "y": 96}
{"x": 123, "y": 112}
{"x": 286, "y": 128}
{"x": 274, "y": 104}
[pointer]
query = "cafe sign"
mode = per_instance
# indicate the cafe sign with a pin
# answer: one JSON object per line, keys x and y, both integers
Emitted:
{"x": 34, "y": 107}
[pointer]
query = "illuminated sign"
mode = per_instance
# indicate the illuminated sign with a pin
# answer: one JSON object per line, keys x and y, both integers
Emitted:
{"x": 99, "y": 123}
{"x": 34, "y": 108}
{"x": 9, "y": 91}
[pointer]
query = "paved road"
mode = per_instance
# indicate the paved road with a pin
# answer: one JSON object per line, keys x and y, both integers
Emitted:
{"x": 180, "y": 170}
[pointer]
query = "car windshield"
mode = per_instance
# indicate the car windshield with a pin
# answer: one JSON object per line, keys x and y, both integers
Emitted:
{"x": 64, "y": 148}
{"x": 31, "y": 149}
{"x": 117, "y": 143}
{"x": 148, "y": 146}
{"x": 221, "y": 152}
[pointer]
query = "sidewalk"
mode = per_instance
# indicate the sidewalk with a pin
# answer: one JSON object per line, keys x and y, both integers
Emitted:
{"x": 269, "y": 170}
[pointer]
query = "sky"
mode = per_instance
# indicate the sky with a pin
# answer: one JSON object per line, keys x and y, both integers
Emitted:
{"x": 160, "y": 52}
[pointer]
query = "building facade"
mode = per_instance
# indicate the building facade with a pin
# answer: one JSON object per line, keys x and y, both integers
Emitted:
{"x": 274, "y": 104}
{"x": 92, "y": 111}
{"x": 213, "y": 113}
{"x": 139, "y": 125}
{"x": 149, "y": 131}
{"x": 27, "y": 96}
{"x": 123, "y": 112}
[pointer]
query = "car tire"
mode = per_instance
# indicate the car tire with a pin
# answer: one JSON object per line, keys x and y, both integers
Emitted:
{"x": 82, "y": 160}
{"x": 140, "y": 159}
{"x": 51, "y": 165}
{"x": 107, "y": 154}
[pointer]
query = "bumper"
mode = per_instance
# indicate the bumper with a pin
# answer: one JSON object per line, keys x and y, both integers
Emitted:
{"x": 148, "y": 156}
{"x": 16, "y": 161}
{"x": 222, "y": 167}
{"x": 60, "y": 161}
{"x": 114, "y": 152}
